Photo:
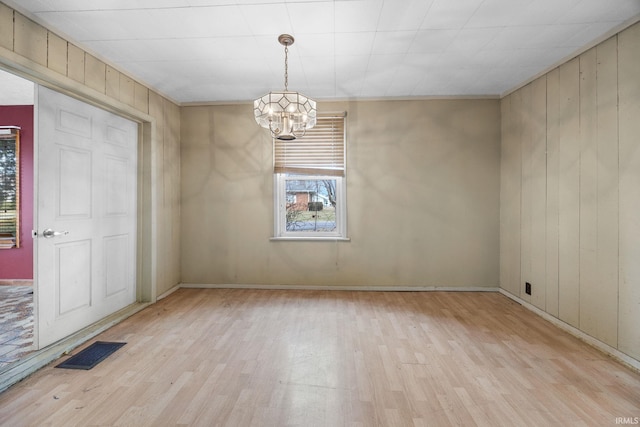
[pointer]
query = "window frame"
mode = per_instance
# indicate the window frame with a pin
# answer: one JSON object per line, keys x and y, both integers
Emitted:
{"x": 12, "y": 133}
{"x": 280, "y": 231}
{"x": 292, "y": 161}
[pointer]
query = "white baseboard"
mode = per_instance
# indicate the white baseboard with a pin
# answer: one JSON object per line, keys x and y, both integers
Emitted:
{"x": 169, "y": 292}
{"x": 342, "y": 288}
{"x": 621, "y": 357}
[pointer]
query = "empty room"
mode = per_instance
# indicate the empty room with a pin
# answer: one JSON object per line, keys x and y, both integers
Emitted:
{"x": 319, "y": 212}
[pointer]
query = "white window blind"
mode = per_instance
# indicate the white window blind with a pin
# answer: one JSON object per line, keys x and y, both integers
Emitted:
{"x": 321, "y": 151}
{"x": 9, "y": 187}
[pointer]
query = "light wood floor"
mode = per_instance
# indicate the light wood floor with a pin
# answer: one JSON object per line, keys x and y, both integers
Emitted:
{"x": 318, "y": 358}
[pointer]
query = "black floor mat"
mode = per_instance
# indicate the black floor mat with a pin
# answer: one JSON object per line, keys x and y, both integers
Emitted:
{"x": 91, "y": 356}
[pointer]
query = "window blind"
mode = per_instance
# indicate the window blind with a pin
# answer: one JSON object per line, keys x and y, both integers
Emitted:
{"x": 9, "y": 189}
{"x": 321, "y": 151}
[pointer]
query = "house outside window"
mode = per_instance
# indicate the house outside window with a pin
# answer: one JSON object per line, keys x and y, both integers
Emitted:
{"x": 309, "y": 180}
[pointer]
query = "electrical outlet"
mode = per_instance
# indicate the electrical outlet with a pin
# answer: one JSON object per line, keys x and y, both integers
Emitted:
{"x": 527, "y": 288}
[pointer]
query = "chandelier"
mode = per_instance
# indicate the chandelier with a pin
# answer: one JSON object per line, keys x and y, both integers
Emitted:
{"x": 286, "y": 114}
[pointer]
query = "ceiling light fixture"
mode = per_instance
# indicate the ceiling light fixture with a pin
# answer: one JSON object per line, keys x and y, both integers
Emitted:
{"x": 286, "y": 114}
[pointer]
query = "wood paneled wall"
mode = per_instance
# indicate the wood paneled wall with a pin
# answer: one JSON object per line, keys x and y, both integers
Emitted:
{"x": 570, "y": 192}
{"x": 27, "y": 46}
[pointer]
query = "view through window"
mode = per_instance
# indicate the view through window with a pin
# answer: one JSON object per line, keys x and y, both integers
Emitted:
{"x": 309, "y": 181}
{"x": 311, "y": 204}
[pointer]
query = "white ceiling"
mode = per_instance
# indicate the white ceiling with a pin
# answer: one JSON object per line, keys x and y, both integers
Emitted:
{"x": 227, "y": 50}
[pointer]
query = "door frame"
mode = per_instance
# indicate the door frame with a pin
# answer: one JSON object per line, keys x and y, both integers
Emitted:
{"x": 145, "y": 251}
{"x": 147, "y": 194}
{"x": 93, "y": 225}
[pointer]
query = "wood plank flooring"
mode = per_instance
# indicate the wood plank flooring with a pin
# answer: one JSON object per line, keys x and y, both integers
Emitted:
{"x": 321, "y": 358}
{"x": 16, "y": 323}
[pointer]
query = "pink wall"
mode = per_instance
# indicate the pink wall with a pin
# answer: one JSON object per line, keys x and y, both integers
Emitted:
{"x": 17, "y": 263}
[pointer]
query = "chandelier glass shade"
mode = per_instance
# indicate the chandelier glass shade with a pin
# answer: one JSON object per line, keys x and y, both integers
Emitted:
{"x": 286, "y": 114}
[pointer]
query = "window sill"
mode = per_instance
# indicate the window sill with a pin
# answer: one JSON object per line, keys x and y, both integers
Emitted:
{"x": 310, "y": 239}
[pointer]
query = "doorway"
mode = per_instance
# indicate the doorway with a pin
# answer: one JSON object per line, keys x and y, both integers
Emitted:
{"x": 120, "y": 250}
{"x": 85, "y": 215}
{"x": 17, "y": 97}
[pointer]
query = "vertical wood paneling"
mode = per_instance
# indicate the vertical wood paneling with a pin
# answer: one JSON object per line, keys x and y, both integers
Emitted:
{"x": 168, "y": 174}
{"x": 538, "y": 206}
{"x": 141, "y": 97}
{"x": 525, "y": 136}
{"x": 75, "y": 64}
{"x": 553, "y": 171}
{"x": 156, "y": 109}
{"x": 127, "y": 90}
{"x": 57, "y": 54}
{"x": 30, "y": 40}
{"x": 592, "y": 196}
{"x": 510, "y": 189}
{"x": 588, "y": 190}
{"x": 172, "y": 189}
{"x": 629, "y": 158}
{"x": 112, "y": 83}
{"x": 605, "y": 301}
{"x": 505, "y": 127}
{"x": 95, "y": 73}
{"x": 569, "y": 194}
{"x": 6, "y": 27}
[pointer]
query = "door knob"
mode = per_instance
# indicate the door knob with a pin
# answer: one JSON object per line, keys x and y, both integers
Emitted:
{"x": 49, "y": 233}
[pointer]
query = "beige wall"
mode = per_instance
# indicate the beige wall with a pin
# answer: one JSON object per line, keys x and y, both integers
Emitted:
{"x": 569, "y": 193}
{"x": 36, "y": 53}
{"x": 423, "y": 186}
{"x": 422, "y": 190}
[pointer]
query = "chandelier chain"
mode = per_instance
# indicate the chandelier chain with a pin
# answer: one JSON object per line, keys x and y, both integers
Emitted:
{"x": 286, "y": 68}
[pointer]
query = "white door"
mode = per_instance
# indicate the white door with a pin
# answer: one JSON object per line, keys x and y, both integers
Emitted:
{"x": 86, "y": 168}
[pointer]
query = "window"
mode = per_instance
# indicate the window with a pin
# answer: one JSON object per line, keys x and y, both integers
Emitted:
{"x": 310, "y": 199}
{"x": 9, "y": 187}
